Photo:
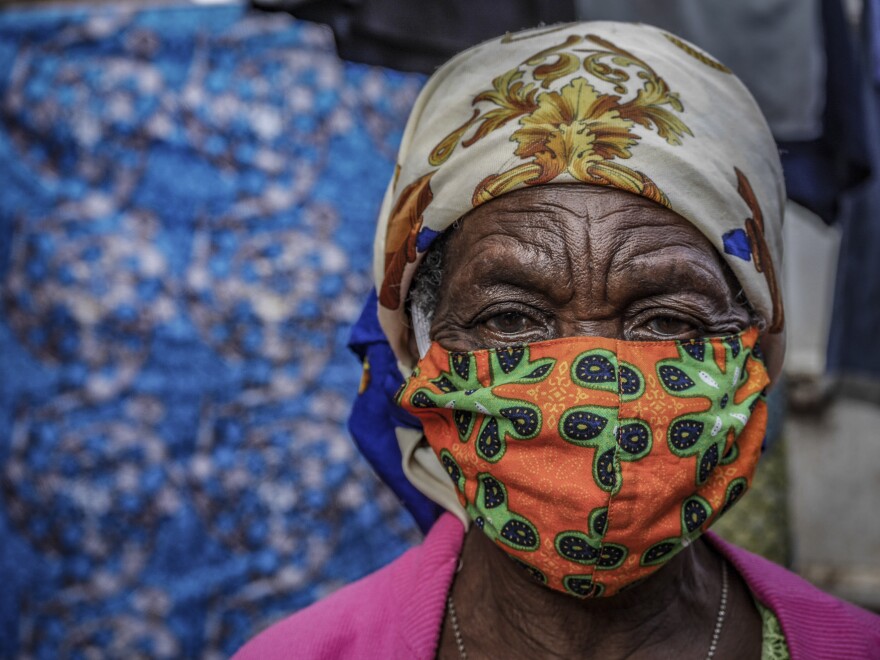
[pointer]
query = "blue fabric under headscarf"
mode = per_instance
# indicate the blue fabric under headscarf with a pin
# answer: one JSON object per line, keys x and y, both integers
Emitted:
{"x": 374, "y": 414}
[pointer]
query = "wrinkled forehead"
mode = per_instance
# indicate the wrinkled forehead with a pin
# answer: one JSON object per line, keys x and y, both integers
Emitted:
{"x": 555, "y": 237}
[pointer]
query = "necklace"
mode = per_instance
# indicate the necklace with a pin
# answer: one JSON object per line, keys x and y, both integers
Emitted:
{"x": 455, "y": 629}
{"x": 716, "y": 632}
{"x": 722, "y": 610}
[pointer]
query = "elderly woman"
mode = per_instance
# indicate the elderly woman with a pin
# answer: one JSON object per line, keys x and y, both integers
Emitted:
{"x": 577, "y": 273}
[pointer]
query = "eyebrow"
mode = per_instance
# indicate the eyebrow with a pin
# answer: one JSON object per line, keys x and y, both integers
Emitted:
{"x": 650, "y": 264}
{"x": 531, "y": 274}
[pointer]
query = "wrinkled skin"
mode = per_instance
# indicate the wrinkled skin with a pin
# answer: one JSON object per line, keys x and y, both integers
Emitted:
{"x": 566, "y": 260}
{"x": 557, "y": 261}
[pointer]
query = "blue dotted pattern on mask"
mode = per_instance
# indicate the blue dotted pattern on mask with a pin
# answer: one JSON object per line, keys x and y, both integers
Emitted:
{"x": 186, "y": 216}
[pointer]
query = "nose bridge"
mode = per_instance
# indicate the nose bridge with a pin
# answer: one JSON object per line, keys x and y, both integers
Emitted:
{"x": 611, "y": 328}
{"x": 588, "y": 312}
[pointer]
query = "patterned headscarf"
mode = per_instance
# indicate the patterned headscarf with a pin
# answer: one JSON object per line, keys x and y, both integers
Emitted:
{"x": 622, "y": 105}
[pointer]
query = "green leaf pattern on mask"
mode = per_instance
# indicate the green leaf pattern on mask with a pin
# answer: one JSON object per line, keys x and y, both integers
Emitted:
{"x": 490, "y": 511}
{"x": 582, "y": 586}
{"x": 452, "y": 469}
{"x": 696, "y": 513}
{"x": 735, "y": 490}
{"x": 502, "y": 418}
{"x": 492, "y": 514}
{"x": 599, "y": 369}
{"x": 588, "y": 548}
{"x": 695, "y": 373}
{"x": 600, "y": 427}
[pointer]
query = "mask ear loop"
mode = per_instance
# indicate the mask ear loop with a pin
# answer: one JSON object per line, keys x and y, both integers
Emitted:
{"x": 422, "y": 330}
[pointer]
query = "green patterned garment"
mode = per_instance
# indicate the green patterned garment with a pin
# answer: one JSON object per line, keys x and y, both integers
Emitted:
{"x": 773, "y": 646}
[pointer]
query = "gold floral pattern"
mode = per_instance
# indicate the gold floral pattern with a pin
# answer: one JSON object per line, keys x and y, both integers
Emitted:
{"x": 574, "y": 130}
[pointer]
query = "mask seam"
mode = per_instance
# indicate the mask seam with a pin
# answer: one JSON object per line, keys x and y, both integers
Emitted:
{"x": 615, "y": 467}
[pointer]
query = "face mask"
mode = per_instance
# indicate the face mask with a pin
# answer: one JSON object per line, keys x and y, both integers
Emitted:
{"x": 593, "y": 461}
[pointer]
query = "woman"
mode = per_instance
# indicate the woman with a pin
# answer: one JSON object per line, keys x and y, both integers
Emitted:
{"x": 576, "y": 266}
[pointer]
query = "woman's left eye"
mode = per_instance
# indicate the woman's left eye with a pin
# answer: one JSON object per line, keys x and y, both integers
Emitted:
{"x": 670, "y": 326}
{"x": 509, "y": 323}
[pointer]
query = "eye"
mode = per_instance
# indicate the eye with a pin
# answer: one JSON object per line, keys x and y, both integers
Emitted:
{"x": 509, "y": 323}
{"x": 671, "y": 326}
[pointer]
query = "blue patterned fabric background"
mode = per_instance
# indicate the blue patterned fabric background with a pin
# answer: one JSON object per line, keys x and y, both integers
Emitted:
{"x": 187, "y": 202}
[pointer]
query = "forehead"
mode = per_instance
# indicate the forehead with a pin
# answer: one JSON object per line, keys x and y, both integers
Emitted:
{"x": 587, "y": 223}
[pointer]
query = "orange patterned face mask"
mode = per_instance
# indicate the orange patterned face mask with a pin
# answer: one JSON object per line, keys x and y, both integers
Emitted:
{"x": 593, "y": 461}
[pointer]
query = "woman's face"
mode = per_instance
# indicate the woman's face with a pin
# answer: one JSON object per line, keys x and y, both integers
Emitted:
{"x": 566, "y": 260}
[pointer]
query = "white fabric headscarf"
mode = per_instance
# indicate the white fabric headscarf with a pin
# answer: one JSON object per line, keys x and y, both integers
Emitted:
{"x": 613, "y": 104}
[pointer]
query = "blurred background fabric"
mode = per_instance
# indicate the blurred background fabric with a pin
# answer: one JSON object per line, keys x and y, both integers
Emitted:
{"x": 187, "y": 209}
{"x": 187, "y": 204}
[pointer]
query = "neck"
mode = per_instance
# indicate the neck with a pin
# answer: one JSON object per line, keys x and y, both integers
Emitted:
{"x": 672, "y": 613}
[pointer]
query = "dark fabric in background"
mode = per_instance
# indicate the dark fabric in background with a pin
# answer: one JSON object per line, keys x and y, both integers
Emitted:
{"x": 187, "y": 206}
{"x": 419, "y": 35}
{"x": 853, "y": 353}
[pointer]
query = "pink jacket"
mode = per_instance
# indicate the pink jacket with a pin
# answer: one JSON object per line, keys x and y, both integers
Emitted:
{"x": 397, "y": 611}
